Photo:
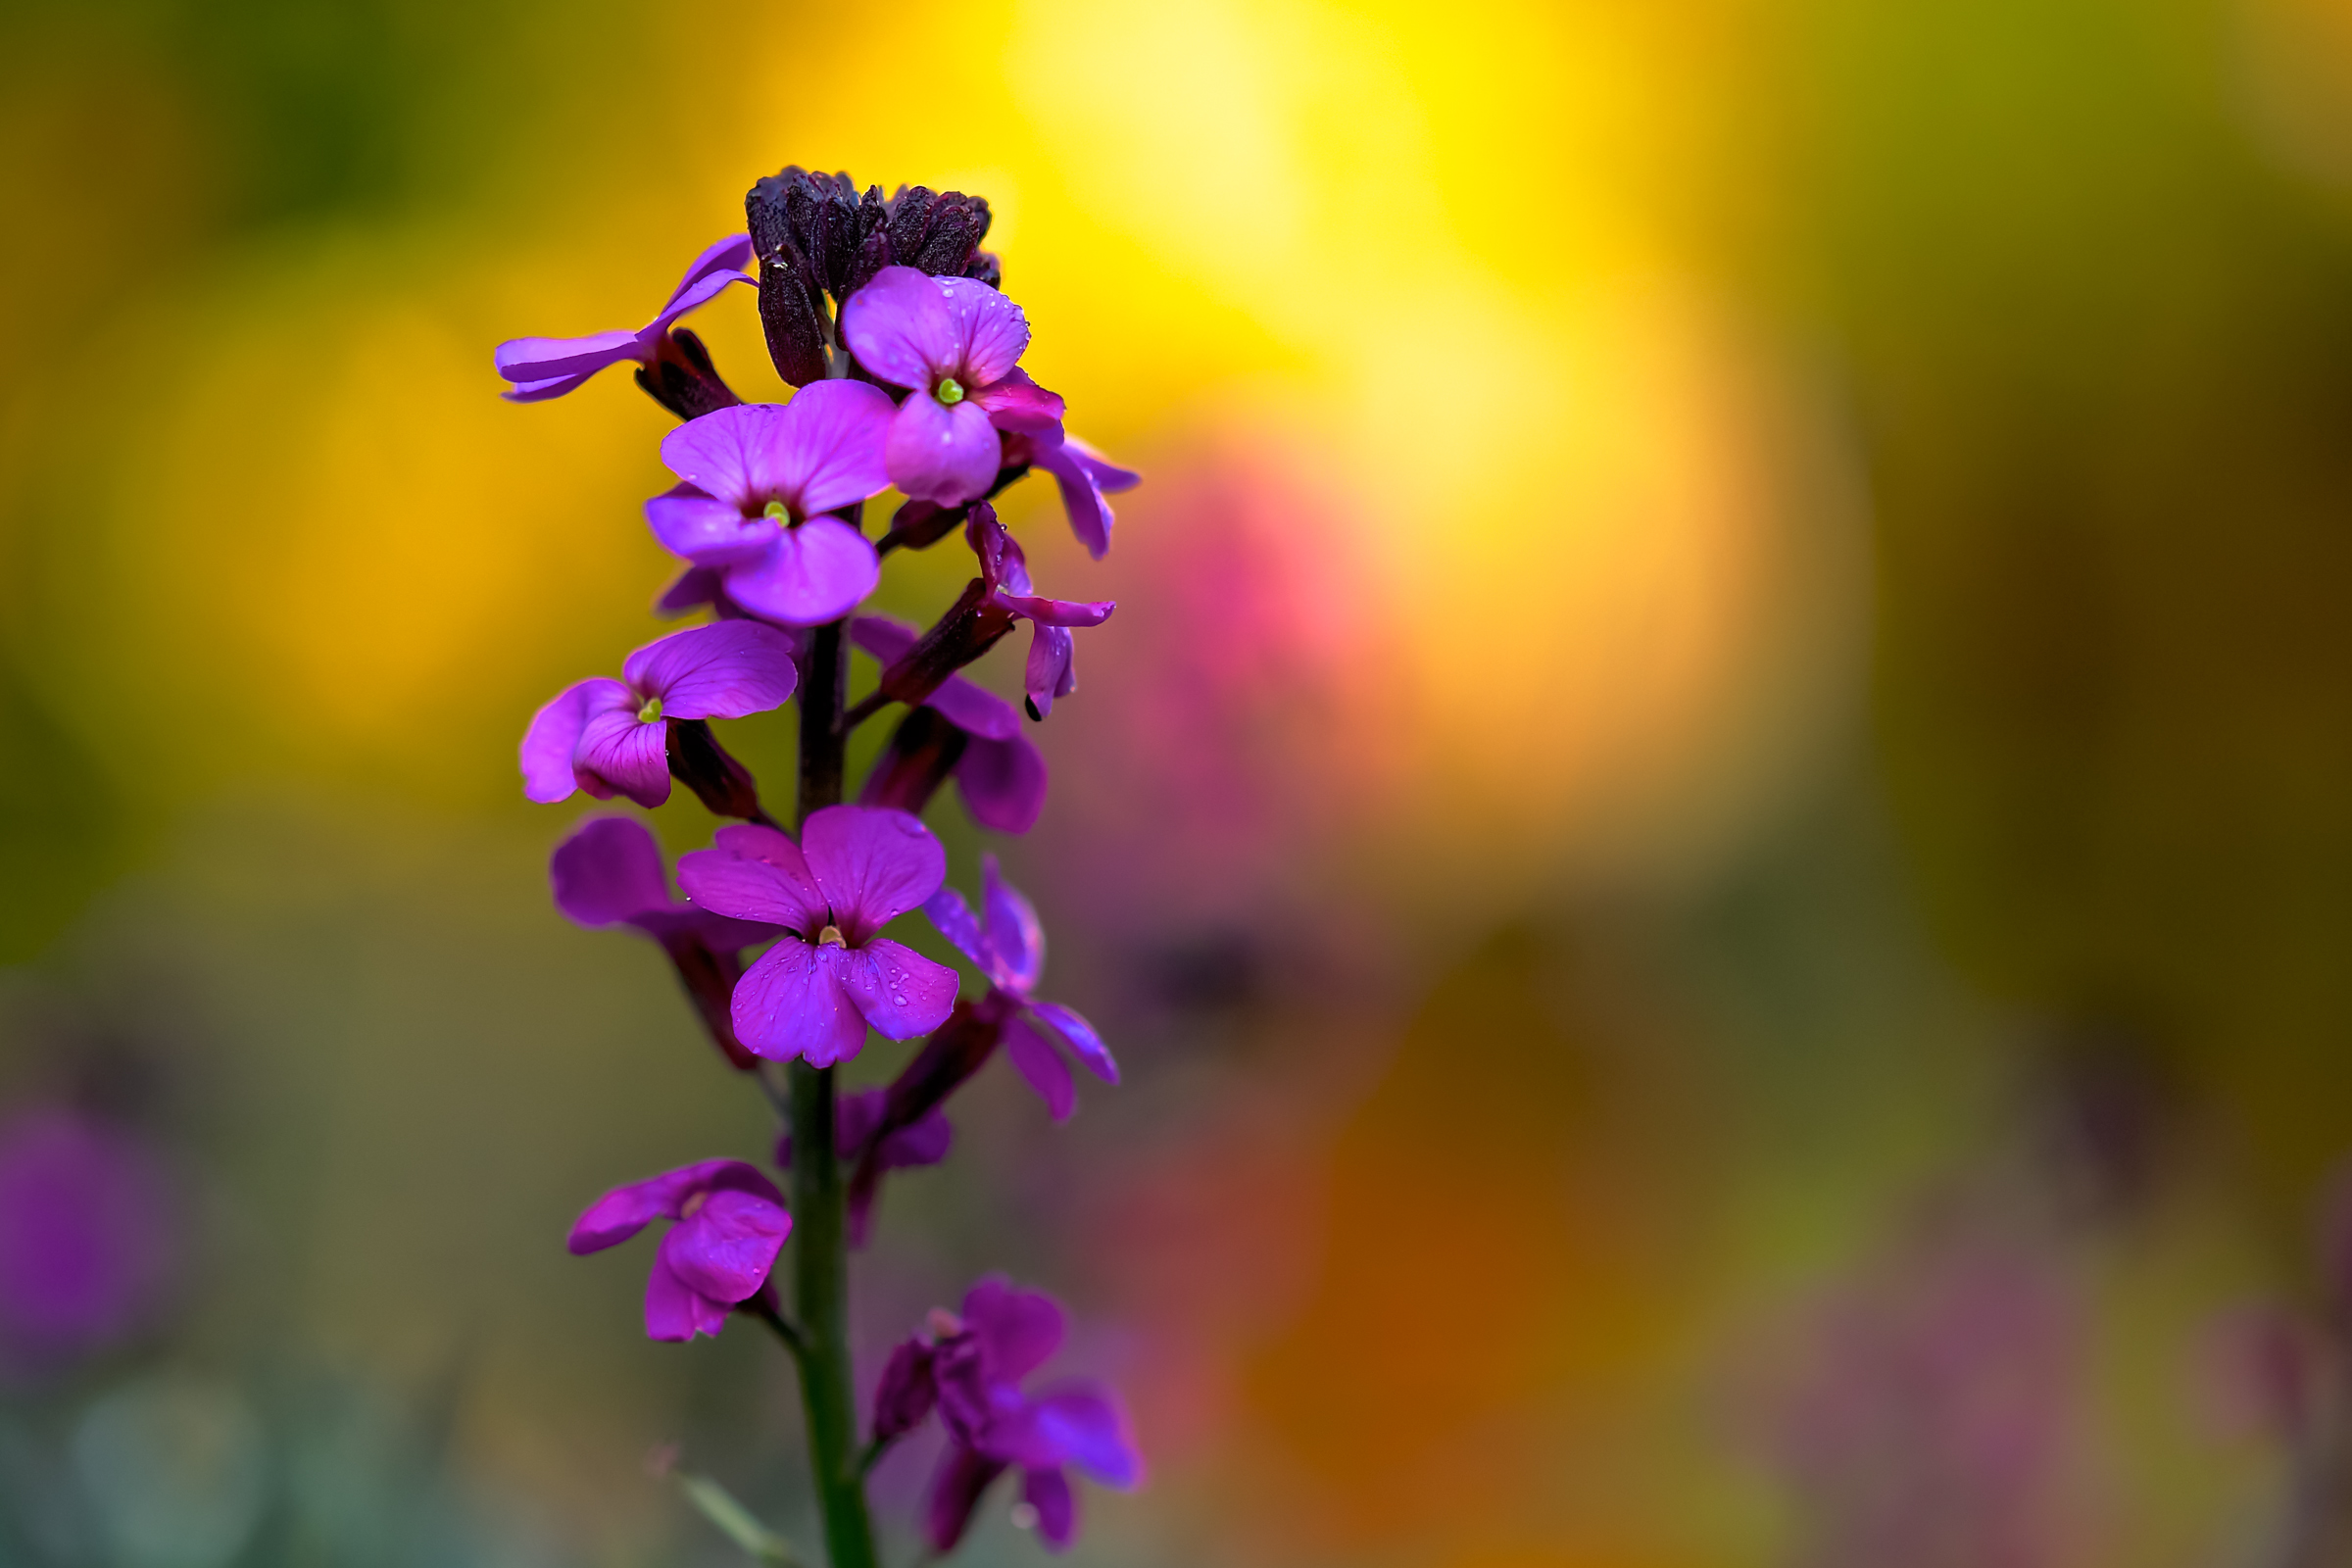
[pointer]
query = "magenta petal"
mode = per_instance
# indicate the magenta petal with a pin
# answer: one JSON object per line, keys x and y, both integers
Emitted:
{"x": 608, "y": 871}
{"x": 1086, "y": 1420}
{"x": 625, "y": 1210}
{"x": 901, "y": 993}
{"x": 975, "y": 709}
{"x": 541, "y": 391}
{"x": 755, "y": 873}
{"x": 900, "y": 327}
{"x": 730, "y": 255}
{"x": 936, "y": 453}
{"x": 831, "y": 438}
{"x": 545, "y": 359}
{"x": 1082, "y": 490}
{"x": 812, "y": 573}
{"x": 1061, "y": 612}
{"x": 702, "y": 529}
{"x": 1042, "y": 1067}
{"x": 728, "y": 669}
{"x": 1017, "y": 403}
{"x": 1080, "y": 1036}
{"x": 625, "y": 755}
{"x": 1002, "y": 783}
{"x": 747, "y": 454}
{"x": 952, "y": 919}
{"x": 554, "y": 739}
{"x": 675, "y": 1312}
{"x": 956, "y": 1486}
{"x": 873, "y": 863}
{"x": 790, "y": 1003}
{"x": 694, "y": 296}
{"x": 991, "y": 332}
{"x": 925, "y": 1141}
{"x": 1050, "y": 672}
{"x": 1018, "y": 1329}
{"x": 1012, "y": 927}
{"x": 725, "y": 1249}
{"x": 1047, "y": 1492}
{"x": 1108, "y": 476}
{"x": 695, "y": 587}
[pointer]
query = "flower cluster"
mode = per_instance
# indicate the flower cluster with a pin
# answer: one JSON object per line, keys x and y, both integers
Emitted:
{"x": 888, "y": 320}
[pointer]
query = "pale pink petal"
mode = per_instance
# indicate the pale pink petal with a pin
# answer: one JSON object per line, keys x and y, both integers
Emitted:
{"x": 815, "y": 572}
{"x": 991, "y": 332}
{"x": 608, "y": 871}
{"x": 705, "y": 530}
{"x": 620, "y": 754}
{"x": 755, "y": 873}
{"x": 790, "y": 1003}
{"x": 947, "y": 455}
{"x": 873, "y": 863}
{"x": 1041, "y": 1066}
{"x": 727, "y": 670}
{"x": 901, "y": 993}
{"x": 829, "y": 446}
{"x": 900, "y": 329}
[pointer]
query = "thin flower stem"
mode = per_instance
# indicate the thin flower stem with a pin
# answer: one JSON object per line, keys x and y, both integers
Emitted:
{"x": 784, "y": 1328}
{"x": 867, "y": 707}
{"x": 873, "y": 1453}
{"x": 820, "y": 1255}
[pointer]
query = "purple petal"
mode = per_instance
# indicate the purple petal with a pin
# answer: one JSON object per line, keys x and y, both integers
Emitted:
{"x": 1017, "y": 403}
{"x": 924, "y": 1141}
{"x": 730, "y": 255}
{"x": 991, "y": 332}
{"x": 625, "y": 1210}
{"x": 830, "y": 445}
{"x": 900, "y": 327}
{"x": 901, "y": 993}
{"x": 622, "y": 755}
{"x": 873, "y": 863}
{"x": 528, "y": 359}
{"x": 1061, "y": 612}
{"x": 541, "y": 391}
{"x": 554, "y": 739}
{"x": 1012, "y": 929}
{"x": 725, "y": 1249}
{"x": 975, "y": 709}
{"x": 1016, "y": 1329}
{"x": 695, "y": 587}
{"x": 791, "y": 1002}
{"x": 962, "y": 1476}
{"x": 905, "y": 1393}
{"x": 1088, "y": 1423}
{"x": 608, "y": 871}
{"x": 1108, "y": 476}
{"x": 753, "y": 873}
{"x": 1081, "y": 1038}
{"x": 693, "y": 296}
{"x": 727, "y": 670}
{"x": 675, "y": 1312}
{"x": 700, "y": 527}
{"x": 1084, "y": 477}
{"x": 1047, "y": 1490}
{"x": 1049, "y": 672}
{"x": 942, "y": 453}
{"x": 883, "y": 637}
{"x": 1042, "y": 1067}
{"x": 855, "y": 1118}
{"x": 813, "y": 573}
{"x": 952, "y": 919}
{"x": 736, "y": 454}
{"x": 1003, "y": 782}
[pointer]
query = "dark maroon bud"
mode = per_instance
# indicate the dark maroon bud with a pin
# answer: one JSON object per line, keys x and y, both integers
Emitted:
{"x": 972, "y": 626}
{"x": 682, "y": 378}
{"x": 710, "y": 977}
{"x": 920, "y": 525}
{"x": 922, "y": 753}
{"x": 722, "y": 784}
{"x": 988, "y": 269}
{"x": 795, "y": 336}
{"x": 906, "y": 1392}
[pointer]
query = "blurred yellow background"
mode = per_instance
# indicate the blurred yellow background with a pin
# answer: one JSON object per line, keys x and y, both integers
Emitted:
{"x": 1738, "y": 611}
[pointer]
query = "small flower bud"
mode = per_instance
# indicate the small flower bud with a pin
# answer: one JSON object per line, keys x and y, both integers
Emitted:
{"x": 698, "y": 761}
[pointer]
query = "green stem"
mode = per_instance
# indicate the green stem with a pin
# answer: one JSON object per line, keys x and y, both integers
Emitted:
{"x": 820, "y": 1275}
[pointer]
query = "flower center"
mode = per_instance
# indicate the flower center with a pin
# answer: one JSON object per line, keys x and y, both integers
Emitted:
{"x": 650, "y": 711}
{"x": 950, "y": 391}
{"x": 831, "y": 936}
{"x": 778, "y": 510}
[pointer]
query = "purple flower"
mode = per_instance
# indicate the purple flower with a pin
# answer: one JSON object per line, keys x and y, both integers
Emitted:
{"x": 855, "y": 1117}
{"x": 830, "y": 974}
{"x": 972, "y": 1369}
{"x": 87, "y": 1235}
{"x": 612, "y": 737}
{"x": 757, "y": 482}
{"x": 1085, "y": 477}
{"x": 543, "y": 367}
{"x": 955, "y": 344}
{"x": 609, "y": 872}
{"x": 1000, "y": 773}
{"x": 1010, "y": 948}
{"x": 731, "y": 1225}
{"x": 1005, "y": 569}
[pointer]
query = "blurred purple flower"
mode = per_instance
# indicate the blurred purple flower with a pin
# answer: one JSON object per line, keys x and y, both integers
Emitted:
{"x": 856, "y": 1117}
{"x": 87, "y": 1234}
{"x": 543, "y": 367}
{"x": 971, "y": 1369}
{"x": 1049, "y": 672}
{"x": 956, "y": 344}
{"x": 731, "y": 1225}
{"x": 612, "y": 737}
{"x": 1000, "y": 773}
{"x": 756, "y": 482}
{"x": 609, "y": 872}
{"x": 1008, "y": 946}
{"x": 830, "y": 974}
